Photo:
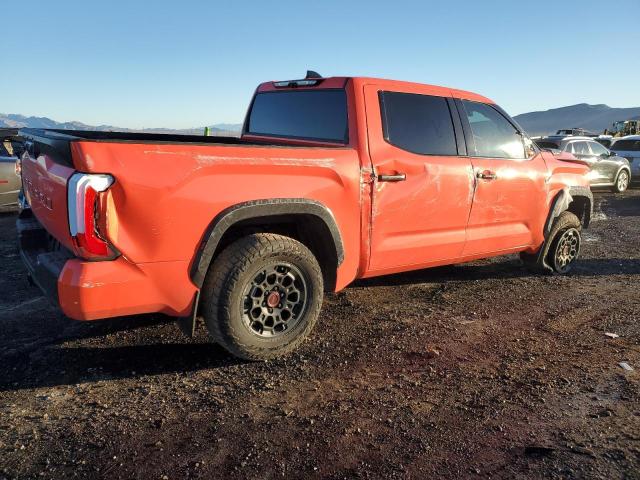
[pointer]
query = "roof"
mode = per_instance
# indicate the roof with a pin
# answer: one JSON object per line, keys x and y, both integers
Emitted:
{"x": 409, "y": 87}
{"x": 565, "y": 139}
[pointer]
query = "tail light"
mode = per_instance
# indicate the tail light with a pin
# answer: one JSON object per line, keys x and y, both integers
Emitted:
{"x": 85, "y": 210}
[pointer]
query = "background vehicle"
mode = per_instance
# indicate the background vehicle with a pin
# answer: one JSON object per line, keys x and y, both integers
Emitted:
{"x": 333, "y": 179}
{"x": 604, "y": 140}
{"x": 576, "y": 131}
{"x": 629, "y": 148}
{"x": 607, "y": 168}
{"x": 9, "y": 176}
{"x": 624, "y": 128}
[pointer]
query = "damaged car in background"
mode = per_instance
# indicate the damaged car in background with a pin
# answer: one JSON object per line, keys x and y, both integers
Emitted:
{"x": 10, "y": 183}
{"x": 607, "y": 169}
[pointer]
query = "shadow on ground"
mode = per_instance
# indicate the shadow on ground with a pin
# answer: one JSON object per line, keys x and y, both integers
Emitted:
{"x": 500, "y": 270}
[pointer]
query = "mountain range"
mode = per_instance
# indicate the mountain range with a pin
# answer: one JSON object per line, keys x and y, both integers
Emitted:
{"x": 590, "y": 117}
{"x": 594, "y": 118}
{"x": 13, "y": 120}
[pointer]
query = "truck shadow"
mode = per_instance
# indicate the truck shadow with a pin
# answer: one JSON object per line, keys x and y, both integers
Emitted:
{"x": 621, "y": 206}
{"x": 57, "y": 365}
{"x": 72, "y": 357}
{"x": 498, "y": 270}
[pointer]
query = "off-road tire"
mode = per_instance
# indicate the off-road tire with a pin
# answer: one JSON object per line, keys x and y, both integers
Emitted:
{"x": 619, "y": 186}
{"x": 543, "y": 261}
{"x": 233, "y": 271}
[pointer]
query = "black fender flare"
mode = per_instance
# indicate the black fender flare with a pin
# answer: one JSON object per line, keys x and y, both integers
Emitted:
{"x": 562, "y": 201}
{"x": 258, "y": 209}
{"x": 561, "y": 204}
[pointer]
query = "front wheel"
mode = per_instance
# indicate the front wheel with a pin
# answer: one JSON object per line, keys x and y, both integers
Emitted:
{"x": 560, "y": 250}
{"x": 622, "y": 182}
{"x": 262, "y": 296}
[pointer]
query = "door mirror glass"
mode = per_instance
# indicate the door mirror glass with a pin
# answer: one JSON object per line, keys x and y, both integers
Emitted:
{"x": 529, "y": 147}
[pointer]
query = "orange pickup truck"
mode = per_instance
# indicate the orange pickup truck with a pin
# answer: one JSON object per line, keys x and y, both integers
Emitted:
{"x": 333, "y": 179}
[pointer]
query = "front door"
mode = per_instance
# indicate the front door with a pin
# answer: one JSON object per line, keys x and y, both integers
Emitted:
{"x": 604, "y": 169}
{"x": 422, "y": 189}
{"x": 510, "y": 176}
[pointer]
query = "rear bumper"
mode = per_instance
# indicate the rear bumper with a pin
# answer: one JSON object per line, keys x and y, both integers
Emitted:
{"x": 43, "y": 259}
{"x": 95, "y": 290}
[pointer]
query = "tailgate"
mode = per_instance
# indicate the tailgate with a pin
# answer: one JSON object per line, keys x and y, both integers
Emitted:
{"x": 46, "y": 168}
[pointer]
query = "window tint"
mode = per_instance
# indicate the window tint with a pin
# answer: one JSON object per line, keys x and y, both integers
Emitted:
{"x": 626, "y": 145}
{"x": 598, "y": 149}
{"x": 418, "y": 123}
{"x": 493, "y": 135}
{"x": 306, "y": 114}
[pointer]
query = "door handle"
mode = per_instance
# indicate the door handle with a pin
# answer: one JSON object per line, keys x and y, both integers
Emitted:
{"x": 396, "y": 177}
{"x": 486, "y": 175}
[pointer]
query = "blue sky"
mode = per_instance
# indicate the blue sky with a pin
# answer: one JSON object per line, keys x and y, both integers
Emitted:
{"x": 191, "y": 63}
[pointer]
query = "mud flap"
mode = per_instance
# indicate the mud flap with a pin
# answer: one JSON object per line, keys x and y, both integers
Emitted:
{"x": 187, "y": 324}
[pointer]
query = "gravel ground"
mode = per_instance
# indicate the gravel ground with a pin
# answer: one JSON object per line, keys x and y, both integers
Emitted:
{"x": 474, "y": 371}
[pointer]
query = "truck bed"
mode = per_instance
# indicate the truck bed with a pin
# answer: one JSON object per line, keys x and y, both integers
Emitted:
{"x": 101, "y": 136}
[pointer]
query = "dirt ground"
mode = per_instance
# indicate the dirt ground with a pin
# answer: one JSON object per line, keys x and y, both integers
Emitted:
{"x": 474, "y": 371}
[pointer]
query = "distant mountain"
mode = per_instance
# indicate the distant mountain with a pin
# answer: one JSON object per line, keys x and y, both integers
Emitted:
{"x": 20, "y": 121}
{"x": 590, "y": 117}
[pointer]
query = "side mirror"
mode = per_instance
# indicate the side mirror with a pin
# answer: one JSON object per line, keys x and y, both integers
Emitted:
{"x": 605, "y": 155}
{"x": 612, "y": 154}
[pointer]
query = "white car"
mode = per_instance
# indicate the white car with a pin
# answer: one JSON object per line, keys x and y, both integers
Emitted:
{"x": 629, "y": 147}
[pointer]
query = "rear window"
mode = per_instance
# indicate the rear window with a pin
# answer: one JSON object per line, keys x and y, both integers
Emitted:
{"x": 418, "y": 123}
{"x": 548, "y": 145}
{"x": 626, "y": 145}
{"x": 302, "y": 114}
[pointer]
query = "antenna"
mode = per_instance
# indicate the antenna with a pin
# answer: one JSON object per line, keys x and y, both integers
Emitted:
{"x": 312, "y": 74}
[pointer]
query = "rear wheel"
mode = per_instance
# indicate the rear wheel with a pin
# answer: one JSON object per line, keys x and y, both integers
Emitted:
{"x": 622, "y": 182}
{"x": 561, "y": 248}
{"x": 262, "y": 296}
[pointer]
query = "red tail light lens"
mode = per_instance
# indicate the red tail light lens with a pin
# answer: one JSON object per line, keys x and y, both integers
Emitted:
{"x": 84, "y": 215}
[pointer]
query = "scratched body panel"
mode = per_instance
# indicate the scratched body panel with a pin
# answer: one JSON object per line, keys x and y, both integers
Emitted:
{"x": 166, "y": 194}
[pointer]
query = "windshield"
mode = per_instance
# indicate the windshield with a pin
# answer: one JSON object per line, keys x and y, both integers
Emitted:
{"x": 302, "y": 114}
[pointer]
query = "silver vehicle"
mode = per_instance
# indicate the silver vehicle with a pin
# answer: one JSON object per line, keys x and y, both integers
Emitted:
{"x": 10, "y": 183}
{"x": 629, "y": 148}
{"x": 607, "y": 168}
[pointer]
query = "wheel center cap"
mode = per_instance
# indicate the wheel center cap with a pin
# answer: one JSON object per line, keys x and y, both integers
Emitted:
{"x": 273, "y": 300}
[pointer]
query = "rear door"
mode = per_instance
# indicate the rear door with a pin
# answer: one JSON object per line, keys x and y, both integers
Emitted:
{"x": 423, "y": 186}
{"x": 510, "y": 185}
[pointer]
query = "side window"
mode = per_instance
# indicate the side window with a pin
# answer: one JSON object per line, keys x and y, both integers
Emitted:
{"x": 494, "y": 136}
{"x": 418, "y": 123}
{"x": 598, "y": 149}
{"x": 581, "y": 148}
